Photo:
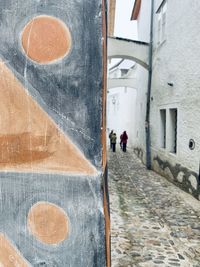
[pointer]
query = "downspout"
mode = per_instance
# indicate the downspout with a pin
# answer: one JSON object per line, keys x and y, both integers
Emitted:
{"x": 147, "y": 122}
{"x": 199, "y": 175}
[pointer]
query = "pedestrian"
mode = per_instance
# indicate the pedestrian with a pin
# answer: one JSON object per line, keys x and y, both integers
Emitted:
{"x": 110, "y": 136}
{"x": 124, "y": 141}
{"x": 114, "y": 141}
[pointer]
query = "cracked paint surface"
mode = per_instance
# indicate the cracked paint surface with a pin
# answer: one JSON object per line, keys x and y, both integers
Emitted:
{"x": 51, "y": 196}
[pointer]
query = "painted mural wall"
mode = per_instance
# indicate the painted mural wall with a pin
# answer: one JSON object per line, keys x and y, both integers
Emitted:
{"x": 51, "y": 175}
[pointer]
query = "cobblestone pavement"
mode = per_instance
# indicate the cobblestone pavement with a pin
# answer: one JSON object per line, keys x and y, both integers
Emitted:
{"x": 153, "y": 223}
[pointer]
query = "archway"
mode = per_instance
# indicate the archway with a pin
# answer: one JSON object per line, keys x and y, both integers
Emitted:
{"x": 128, "y": 49}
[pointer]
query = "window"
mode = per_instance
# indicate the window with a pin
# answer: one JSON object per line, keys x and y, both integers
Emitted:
{"x": 161, "y": 34}
{"x": 163, "y": 128}
{"x": 173, "y": 114}
{"x": 124, "y": 72}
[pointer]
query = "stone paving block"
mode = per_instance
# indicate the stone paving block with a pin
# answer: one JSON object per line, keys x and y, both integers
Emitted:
{"x": 153, "y": 222}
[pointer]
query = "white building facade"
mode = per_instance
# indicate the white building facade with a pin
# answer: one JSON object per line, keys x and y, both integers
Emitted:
{"x": 121, "y": 101}
{"x": 175, "y": 90}
{"x": 142, "y": 13}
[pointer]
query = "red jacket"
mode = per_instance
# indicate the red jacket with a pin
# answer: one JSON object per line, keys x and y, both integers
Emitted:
{"x": 124, "y": 138}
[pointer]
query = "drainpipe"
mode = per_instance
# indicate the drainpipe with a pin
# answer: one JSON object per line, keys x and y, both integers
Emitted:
{"x": 147, "y": 122}
{"x": 199, "y": 175}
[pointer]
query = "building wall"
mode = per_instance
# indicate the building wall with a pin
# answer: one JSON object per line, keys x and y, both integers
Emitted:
{"x": 142, "y": 81}
{"x": 121, "y": 112}
{"x": 175, "y": 85}
{"x": 144, "y": 21}
{"x": 140, "y": 137}
{"x": 175, "y": 61}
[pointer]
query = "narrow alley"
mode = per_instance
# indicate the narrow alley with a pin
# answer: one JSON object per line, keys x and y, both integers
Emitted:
{"x": 153, "y": 223}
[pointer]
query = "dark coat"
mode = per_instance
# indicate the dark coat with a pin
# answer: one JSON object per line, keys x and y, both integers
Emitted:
{"x": 124, "y": 138}
{"x": 110, "y": 134}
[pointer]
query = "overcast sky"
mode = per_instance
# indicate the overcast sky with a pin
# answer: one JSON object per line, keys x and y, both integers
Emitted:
{"x": 124, "y": 27}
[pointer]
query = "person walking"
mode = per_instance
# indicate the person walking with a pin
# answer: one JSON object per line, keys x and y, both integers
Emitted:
{"x": 110, "y": 136}
{"x": 114, "y": 141}
{"x": 124, "y": 141}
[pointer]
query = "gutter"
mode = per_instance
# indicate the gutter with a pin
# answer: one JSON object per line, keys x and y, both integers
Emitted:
{"x": 148, "y": 106}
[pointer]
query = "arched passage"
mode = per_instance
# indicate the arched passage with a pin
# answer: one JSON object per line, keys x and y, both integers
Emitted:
{"x": 128, "y": 49}
{"x": 138, "y": 52}
{"x": 121, "y": 82}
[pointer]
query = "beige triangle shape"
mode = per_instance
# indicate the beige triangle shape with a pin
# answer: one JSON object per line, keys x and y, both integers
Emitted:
{"x": 9, "y": 255}
{"x": 29, "y": 138}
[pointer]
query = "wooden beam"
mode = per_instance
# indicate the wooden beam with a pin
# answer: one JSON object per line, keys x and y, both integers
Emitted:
{"x": 136, "y": 10}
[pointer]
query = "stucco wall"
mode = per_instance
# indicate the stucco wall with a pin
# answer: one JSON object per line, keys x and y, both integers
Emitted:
{"x": 139, "y": 137}
{"x": 176, "y": 60}
{"x": 121, "y": 113}
{"x": 144, "y": 21}
{"x": 142, "y": 81}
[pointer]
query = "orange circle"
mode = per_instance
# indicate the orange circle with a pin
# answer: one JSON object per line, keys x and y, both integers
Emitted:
{"x": 45, "y": 39}
{"x": 48, "y": 223}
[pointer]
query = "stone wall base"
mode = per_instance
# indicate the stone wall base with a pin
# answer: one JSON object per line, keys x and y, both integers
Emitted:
{"x": 179, "y": 175}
